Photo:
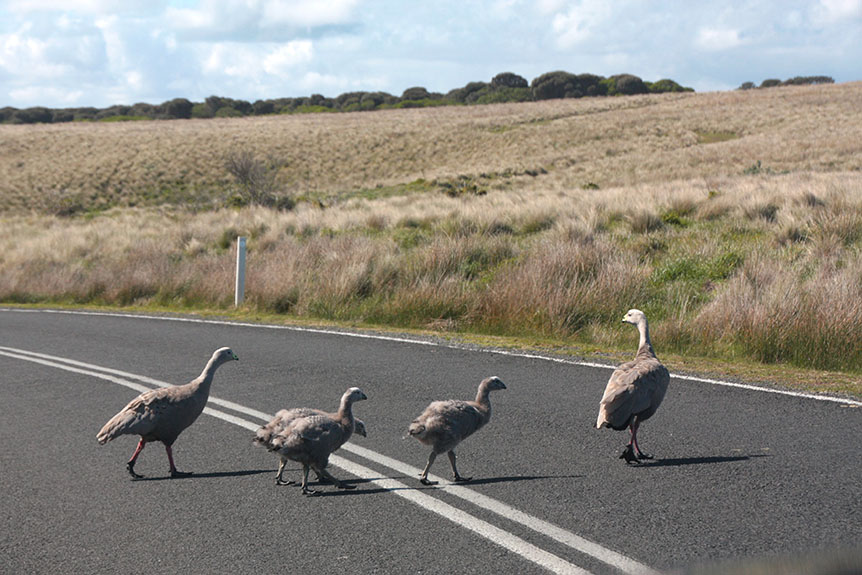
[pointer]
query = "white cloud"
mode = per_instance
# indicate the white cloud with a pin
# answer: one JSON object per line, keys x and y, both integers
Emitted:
{"x": 187, "y": 18}
{"x": 549, "y": 6}
{"x": 21, "y": 54}
{"x": 579, "y": 23}
{"x": 46, "y": 95}
{"x": 107, "y": 7}
{"x": 325, "y": 83}
{"x": 307, "y": 13}
{"x": 230, "y": 59}
{"x": 717, "y": 39}
{"x": 236, "y": 60}
{"x": 115, "y": 48}
{"x": 285, "y": 57}
{"x": 837, "y": 10}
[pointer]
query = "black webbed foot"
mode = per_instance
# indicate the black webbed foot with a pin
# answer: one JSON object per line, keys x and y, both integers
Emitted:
{"x": 426, "y": 481}
{"x": 283, "y": 482}
{"x": 131, "y": 468}
{"x": 459, "y": 479}
{"x": 176, "y": 474}
{"x": 629, "y": 455}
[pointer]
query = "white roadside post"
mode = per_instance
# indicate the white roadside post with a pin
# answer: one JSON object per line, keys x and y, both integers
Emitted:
{"x": 240, "y": 271}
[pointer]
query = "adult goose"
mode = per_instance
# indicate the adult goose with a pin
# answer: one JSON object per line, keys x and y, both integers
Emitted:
{"x": 634, "y": 391}
{"x": 162, "y": 414}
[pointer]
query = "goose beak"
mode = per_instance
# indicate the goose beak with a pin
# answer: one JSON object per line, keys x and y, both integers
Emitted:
{"x": 235, "y": 357}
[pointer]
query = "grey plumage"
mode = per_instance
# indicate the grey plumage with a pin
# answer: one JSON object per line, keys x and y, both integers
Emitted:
{"x": 162, "y": 414}
{"x": 445, "y": 424}
{"x": 309, "y": 436}
{"x": 635, "y": 390}
{"x": 285, "y": 417}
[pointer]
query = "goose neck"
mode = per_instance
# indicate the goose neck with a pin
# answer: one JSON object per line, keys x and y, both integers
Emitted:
{"x": 644, "y": 345}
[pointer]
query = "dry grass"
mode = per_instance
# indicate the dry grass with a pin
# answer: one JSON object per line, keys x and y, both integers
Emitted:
{"x": 567, "y": 144}
{"x": 732, "y": 260}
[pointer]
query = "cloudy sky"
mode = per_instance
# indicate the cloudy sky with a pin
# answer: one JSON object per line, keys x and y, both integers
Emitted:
{"x": 66, "y": 53}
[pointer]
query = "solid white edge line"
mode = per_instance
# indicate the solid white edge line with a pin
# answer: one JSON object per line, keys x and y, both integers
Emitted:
{"x": 749, "y": 387}
{"x": 494, "y": 534}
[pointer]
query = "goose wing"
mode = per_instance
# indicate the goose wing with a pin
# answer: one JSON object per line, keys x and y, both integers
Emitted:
{"x": 631, "y": 389}
{"x": 141, "y": 416}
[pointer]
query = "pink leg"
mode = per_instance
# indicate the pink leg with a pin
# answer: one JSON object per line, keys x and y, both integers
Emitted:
{"x": 138, "y": 451}
{"x": 629, "y": 452}
{"x": 174, "y": 472}
{"x": 640, "y": 454}
{"x": 131, "y": 464}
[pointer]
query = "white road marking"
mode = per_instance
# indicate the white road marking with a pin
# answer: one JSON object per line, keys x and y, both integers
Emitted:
{"x": 817, "y": 397}
{"x": 483, "y": 528}
{"x": 576, "y": 542}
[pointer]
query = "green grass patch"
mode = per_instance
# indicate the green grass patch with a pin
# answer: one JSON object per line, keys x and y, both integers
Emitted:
{"x": 709, "y": 137}
{"x": 124, "y": 119}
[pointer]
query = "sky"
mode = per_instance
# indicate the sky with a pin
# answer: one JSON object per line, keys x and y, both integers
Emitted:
{"x": 71, "y": 53}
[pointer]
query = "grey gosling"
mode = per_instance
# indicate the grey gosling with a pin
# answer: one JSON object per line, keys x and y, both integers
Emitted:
{"x": 634, "y": 390}
{"x": 162, "y": 414}
{"x": 445, "y": 424}
{"x": 286, "y": 417}
{"x": 310, "y": 436}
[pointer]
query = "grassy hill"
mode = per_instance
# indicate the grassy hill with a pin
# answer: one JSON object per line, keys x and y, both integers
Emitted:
{"x": 733, "y": 219}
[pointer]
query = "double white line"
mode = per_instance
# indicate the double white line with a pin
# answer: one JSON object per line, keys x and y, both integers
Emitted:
{"x": 491, "y": 532}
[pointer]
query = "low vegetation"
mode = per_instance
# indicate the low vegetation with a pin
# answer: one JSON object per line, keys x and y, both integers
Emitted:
{"x": 540, "y": 221}
{"x": 505, "y": 87}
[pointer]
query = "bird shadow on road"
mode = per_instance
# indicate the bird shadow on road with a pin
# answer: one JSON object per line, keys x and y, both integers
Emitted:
{"x": 361, "y": 491}
{"x": 207, "y": 475}
{"x": 675, "y": 462}
{"x": 420, "y": 487}
{"x": 516, "y": 478}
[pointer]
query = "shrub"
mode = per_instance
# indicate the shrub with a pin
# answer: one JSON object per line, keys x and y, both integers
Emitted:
{"x": 255, "y": 178}
{"x": 148, "y": 110}
{"x": 376, "y": 99}
{"x": 415, "y": 93}
{"x": 178, "y": 108}
{"x": 202, "y": 111}
{"x": 113, "y": 111}
{"x": 553, "y": 85}
{"x": 500, "y": 95}
{"x": 263, "y": 107}
{"x": 348, "y": 99}
{"x": 61, "y": 116}
{"x": 626, "y": 84}
{"x": 667, "y": 85}
{"x": 770, "y": 83}
{"x": 227, "y": 112}
{"x": 469, "y": 93}
{"x": 32, "y": 116}
{"x": 564, "y": 85}
{"x": 803, "y": 80}
{"x": 589, "y": 85}
{"x": 508, "y": 80}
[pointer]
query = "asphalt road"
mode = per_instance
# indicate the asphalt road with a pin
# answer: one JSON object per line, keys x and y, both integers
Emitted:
{"x": 738, "y": 474}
